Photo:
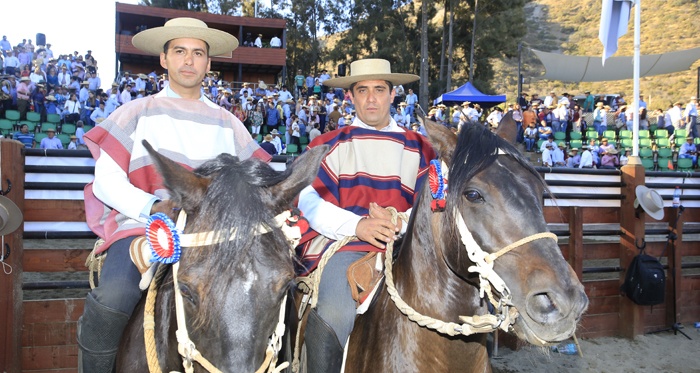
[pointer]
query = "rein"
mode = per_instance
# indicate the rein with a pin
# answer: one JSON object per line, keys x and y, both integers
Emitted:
{"x": 186, "y": 346}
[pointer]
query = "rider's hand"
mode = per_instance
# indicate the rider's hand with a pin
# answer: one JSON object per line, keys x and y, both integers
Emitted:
{"x": 376, "y": 232}
{"x": 167, "y": 207}
{"x": 379, "y": 212}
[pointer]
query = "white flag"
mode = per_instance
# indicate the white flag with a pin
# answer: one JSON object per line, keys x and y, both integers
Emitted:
{"x": 613, "y": 24}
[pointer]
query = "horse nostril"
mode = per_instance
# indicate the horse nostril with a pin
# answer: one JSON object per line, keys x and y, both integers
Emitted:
{"x": 542, "y": 308}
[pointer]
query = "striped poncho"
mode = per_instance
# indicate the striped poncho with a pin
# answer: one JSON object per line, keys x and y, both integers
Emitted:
{"x": 365, "y": 166}
{"x": 189, "y": 132}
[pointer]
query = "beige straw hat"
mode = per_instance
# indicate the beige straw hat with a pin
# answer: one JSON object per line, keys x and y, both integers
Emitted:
{"x": 152, "y": 40}
{"x": 651, "y": 202}
{"x": 10, "y": 216}
{"x": 370, "y": 69}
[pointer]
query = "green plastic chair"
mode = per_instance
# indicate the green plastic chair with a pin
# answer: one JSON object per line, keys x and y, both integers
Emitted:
{"x": 653, "y": 128}
{"x": 303, "y": 140}
{"x": 260, "y": 138}
{"x": 46, "y": 126}
{"x": 679, "y": 141}
{"x": 539, "y": 144}
{"x": 87, "y": 128}
{"x": 643, "y": 134}
{"x": 609, "y": 134}
{"x": 626, "y": 134}
{"x": 591, "y": 135}
{"x": 597, "y": 142}
{"x": 680, "y": 133}
{"x": 559, "y": 136}
{"x": 627, "y": 143}
{"x": 576, "y": 135}
{"x": 12, "y": 115}
{"x": 53, "y": 118}
{"x": 65, "y": 139}
{"x": 33, "y": 117}
{"x": 662, "y": 143}
{"x": 576, "y": 144}
{"x": 661, "y": 134}
{"x": 665, "y": 153}
{"x": 664, "y": 163}
{"x": 696, "y": 140}
{"x": 645, "y": 143}
{"x": 6, "y": 126}
{"x": 292, "y": 149}
{"x": 648, "y": 164}
{"x": 282, "y": 129}
{"x": 68, "y": 129}
{"x": 38, "y": 137}
{"x": 646, "y": 153}
{"x": 685, "y": 164}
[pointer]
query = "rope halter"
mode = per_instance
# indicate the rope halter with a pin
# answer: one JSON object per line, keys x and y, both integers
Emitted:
{"x": 292, "y": 228}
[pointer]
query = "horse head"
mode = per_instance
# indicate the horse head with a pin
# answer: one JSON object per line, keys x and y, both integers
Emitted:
{"x": 499, "y": 196}
{"x": 233, "y": 289}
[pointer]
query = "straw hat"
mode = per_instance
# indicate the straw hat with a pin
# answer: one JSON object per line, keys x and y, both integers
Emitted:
{"x": 612, "y": 151}
{"x": 466, "y": 103}
{"x": 143, "y": 76}
{"x": 262, "y": 85}
{"x": 73, "y": 137}
{"x": 600, "y": 104}
{"x": 24, "y": 79}
{"x": 274, "y": 132}
{"x": 561, "y": 144}
{"x": 370, "y": 69}
{"x": 51, "y": 98}
{"x": 152, "y": 40}
{"x": 100, "y": 120}
{"x": 268, "y": 138}
{"x": 442, "y": 106}
{"x": 10, "y": 216}
{"x": 651, "y": 202}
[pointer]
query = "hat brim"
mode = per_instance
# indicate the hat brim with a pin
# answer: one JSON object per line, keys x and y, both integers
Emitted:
{"x": 14, "y": 216}
{"x": 639, "y": 192}
{"x": 152, "y": 40}
{"x": 395, "y": 79}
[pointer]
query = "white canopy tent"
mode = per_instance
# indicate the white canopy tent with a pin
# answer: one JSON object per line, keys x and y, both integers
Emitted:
{"x": 590, "y": 69}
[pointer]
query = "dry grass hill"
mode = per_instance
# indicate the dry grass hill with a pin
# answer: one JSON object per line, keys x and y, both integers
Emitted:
{"x": 572, "y": 28}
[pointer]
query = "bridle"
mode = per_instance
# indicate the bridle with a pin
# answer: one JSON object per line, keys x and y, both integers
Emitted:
{"x": 285, "y": 221}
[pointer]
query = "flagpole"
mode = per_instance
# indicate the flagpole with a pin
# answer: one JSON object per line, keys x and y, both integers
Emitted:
{"x": 635, "y": 136}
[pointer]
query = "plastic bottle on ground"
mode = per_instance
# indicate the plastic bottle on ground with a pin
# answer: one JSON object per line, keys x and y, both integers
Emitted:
{"x": 567, "y": 349}
{"x": 677, "y": 197}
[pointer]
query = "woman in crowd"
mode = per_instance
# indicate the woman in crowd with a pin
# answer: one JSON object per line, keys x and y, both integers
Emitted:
{"x": 518, "y": 118}
{"x": 90, "y": 105}
{"x": 317, "y": 89}
{"x": 38, "y": 96}
{"x": 37, "y": 76}
{"x": 330, "y": 126}
{"x": 238, "y": 112}
{"x": 26, "y": 72}
{"x": 643, "y": 122}
{"x": 256, "y": 120}
{"x": 71, "y": 110}
{"x": 530, "y": 137}
{"x": 51, "y": 79}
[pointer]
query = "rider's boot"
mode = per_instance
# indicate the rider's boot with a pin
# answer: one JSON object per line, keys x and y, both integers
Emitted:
{"x": 99, "y": 331}
{"x": 324, "y": 354}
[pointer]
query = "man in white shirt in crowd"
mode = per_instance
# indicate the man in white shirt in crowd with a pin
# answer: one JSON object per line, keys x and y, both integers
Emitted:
{"x": 688, "y": 150}
{"x": 550, "y": 100}
{"x": 285, "y": 95}
{"x": 586, "y": 159}
{"x": 11, "y": 63}
{"x": 411, "y": 101}
{"x": 275, "y": 42}
{"x": 5, "y": 45}
{"x": 558, "y": 155}
{"x": 547, "y": 159}
{"x": 691, "y": 116}
{"x": 642, "y": 104}
{"x": 495, "y": 117}
{"x": 126, "y": 94}
{"x": 258, "y": 41}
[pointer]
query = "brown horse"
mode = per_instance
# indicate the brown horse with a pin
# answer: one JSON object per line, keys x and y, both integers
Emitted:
{"x": 232, "y": 290}
{"x": 499, "y": 195}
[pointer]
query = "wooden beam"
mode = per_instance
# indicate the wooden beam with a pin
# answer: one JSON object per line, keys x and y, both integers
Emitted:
{"x": 55, "y": 310}
{"x": 49, "y": 334}
{"x": 54, "y": 210}
{"x": 576, "y": 240}
{"x": 673, "y": 293}
{"x": 50, "y": 357}
{"x": 631, "y": 319}
{"x": 54, "y": 260}
{"x": 12, "y": 168}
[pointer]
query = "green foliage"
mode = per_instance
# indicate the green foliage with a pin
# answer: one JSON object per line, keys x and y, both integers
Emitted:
{"x": 194, "y": 5}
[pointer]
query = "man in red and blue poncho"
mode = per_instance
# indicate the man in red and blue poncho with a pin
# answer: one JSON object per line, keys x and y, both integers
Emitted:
{"x": 373, "y": 164}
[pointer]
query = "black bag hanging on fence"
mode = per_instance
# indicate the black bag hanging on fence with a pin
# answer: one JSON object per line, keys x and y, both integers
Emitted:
{"x": 645, "y": 282}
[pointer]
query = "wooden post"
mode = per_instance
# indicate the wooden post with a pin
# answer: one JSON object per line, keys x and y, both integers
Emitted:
{"x": 12, "y": 168}
{"x": 674, "y": 269}
{"x": 576, "y": 240}
{"x": 631, "y": 314}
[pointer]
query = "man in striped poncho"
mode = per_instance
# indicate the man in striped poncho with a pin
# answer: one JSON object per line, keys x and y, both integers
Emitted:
{"x": 179, "y": 123}
{"x": 373, "y": 164}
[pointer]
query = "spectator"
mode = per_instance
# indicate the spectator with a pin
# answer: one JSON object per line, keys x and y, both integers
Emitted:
{"x": 5, "y": 46}
{"x": 51, "y": 142}
{"x": 268, "y": 146}
{"x": 691, "y": 116}
{"x": 600, "y": 119}
{"x": 258, "y": 41}
{"x": 625, "y": 157}
{"x": 273, "y": 116}
{"x": 24, "y": 136}
{"x": 550, "y": 100}
{"x": 558, "y": 155}
{"x": 275, "y": 42}
{"x": 594, "y": 150}
{"x": 23, "y": 92}
{"x": 126, "y": 94}
{"x": 574, "y": 160}
{"x": 530, "y": 137}
{"x": 588, "y": 102}
{"x": 71, "y": 110}
{"x": 495, "y": 117}
{"x": 547, "y": 160}
{"x": 518, "y": 118}
{"x": 577, "y": 119}
{"x": 37, "y": 76}
{"x": 688, "y": 150}
{"x": 642, "y": 104}
{"x": 72, "y": 145}
{"x": 610, "y": 160}
{"x": 586, "y": 159}
{"x": 545, "y": 131}
{"x": 256, "y": 120}
{"x": 11, "y": 63}
{"x": 643, "y": 122}
{"x": 314, "y": 133}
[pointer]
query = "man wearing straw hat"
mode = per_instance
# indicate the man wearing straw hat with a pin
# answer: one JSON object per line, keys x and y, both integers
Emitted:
{"x": 127, "y": 189}
{"x": 380, "y": 165}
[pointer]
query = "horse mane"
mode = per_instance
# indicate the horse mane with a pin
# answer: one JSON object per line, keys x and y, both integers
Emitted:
{"x": 477, "y": 149}
{"x": 237, "y": 199}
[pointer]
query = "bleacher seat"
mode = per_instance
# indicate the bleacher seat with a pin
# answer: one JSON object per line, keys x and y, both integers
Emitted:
{"x": 646, "y": 153}
{"x": 679, "y": 141}
{"x": 576, "y": 144}
{"x": 68, "y": 129}
{"x": 648, "y": 164}
{"x": 12, "y": 116}
{"x": 6, "y": 126}
{"x": 663, "y": 163}
{"x": 685, "y": 164}
{"x": 38, "y": 137}
{"x": 539, "y": 144}
{"x": 662, "y": 142}
{"x": 661, "y": 134}
{"x": 65, "y": 139}
{"x": 653, "y": 128}
{"x": 87, "y": 128}
{"x": 260, "y": 138}
{"x": 53, "y": 118}
{"x": 591, "y": 135}
{"x": 665, "y": 153}
{"x": 680, "y": 133}
{"x": 559, "y": 136}
{"x": 576, "y": 135}
{"x": 292, "y": 149}
{"x": 33, "y": 117}
{"x": 625, "y": 135}
{"x": 303, "y": 141}
{"x": 46, "y": 126}
{"x": 643, "y": 134}
{"x": 627, "y": 143}
{"x": 282, "y": 129}
{"x": 645, "y": 143}
{"x": 696, "y": 140}
{"x": 609, "y": 134}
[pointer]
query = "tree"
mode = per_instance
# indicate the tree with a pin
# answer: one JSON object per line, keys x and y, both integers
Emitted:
{"x": 194, "y": 5}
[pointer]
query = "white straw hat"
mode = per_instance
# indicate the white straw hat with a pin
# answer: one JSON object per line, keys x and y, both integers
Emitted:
{"x": 651, "y": 202}
{"x": 370, "y": 69}
{"x": 10, "y": 216}
{"x": 152, "y": 40}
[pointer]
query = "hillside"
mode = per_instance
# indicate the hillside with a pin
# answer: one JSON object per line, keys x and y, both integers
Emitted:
{"x": 572, "y": 28}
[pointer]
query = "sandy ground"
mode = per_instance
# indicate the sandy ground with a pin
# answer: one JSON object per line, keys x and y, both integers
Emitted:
{"x": 662, "y": 352}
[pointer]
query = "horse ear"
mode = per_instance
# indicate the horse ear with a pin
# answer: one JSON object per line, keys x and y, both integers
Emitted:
{"x": 508, "y": 128}
{"x": 441, "y": 138}
{"x": 187, "y": 190}
{"x": 300, "y": 174}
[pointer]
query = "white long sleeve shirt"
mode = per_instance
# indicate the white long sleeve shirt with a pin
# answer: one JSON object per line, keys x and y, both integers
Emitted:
{"x": 586, "y": 159}
{"x": 328, "y": 219}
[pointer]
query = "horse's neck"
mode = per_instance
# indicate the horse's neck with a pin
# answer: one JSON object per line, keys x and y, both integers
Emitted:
{"x": 422, "y": 277}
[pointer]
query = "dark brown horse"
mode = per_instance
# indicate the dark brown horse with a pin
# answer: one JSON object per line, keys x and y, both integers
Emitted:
{"x": 499, "y": 195}
{"x": 232, "y": 290}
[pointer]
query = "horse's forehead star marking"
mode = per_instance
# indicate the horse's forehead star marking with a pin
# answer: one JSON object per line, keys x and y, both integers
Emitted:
{"x": 250, "y": 278}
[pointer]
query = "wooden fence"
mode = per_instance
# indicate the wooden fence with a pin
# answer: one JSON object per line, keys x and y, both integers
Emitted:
{"x": 40, "y": 335}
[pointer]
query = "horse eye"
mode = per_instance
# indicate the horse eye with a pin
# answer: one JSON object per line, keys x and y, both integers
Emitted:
{"x": 473, "y": 196}
{"x": 186, "y": 293}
